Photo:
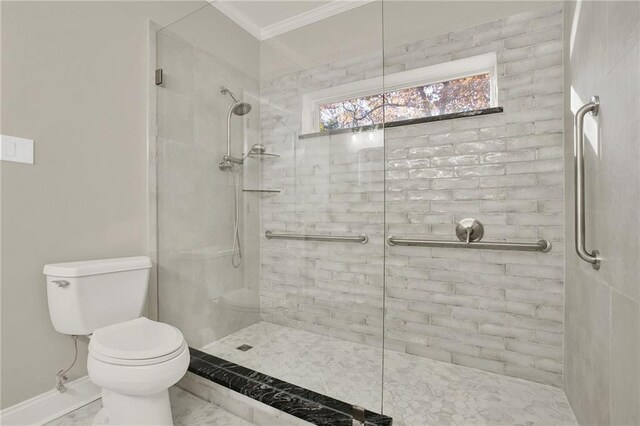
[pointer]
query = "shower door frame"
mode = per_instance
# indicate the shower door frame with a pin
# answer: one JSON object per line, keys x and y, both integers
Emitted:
{"x": 152, "y": 170}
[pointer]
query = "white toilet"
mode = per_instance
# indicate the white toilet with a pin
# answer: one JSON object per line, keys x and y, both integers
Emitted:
{"x": 133, "y": 359}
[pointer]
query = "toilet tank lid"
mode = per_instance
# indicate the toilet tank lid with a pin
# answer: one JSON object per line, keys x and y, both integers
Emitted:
{"x": 97, "y": 267}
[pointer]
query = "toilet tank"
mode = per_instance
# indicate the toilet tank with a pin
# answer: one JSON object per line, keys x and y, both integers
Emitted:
{"x": 84, "y": 296}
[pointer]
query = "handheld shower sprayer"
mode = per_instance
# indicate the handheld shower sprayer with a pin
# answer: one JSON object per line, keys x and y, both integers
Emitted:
{"x": 239, "y": 109}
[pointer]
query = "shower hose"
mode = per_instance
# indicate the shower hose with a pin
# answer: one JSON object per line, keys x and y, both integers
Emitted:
{"x": 236, "y": 253}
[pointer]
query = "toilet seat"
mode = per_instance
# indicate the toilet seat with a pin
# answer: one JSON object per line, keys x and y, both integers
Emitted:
{"x": 137, "y": 342}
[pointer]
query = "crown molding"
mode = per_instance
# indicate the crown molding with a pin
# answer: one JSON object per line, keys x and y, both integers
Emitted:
{"x": 314, "y": 15}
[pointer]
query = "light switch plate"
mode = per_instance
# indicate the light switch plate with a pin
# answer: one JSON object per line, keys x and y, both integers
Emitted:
{"x": 16, "y": 150}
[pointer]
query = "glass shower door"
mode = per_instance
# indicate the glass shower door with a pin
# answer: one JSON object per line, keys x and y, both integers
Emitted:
{"x": 322, "y": 274}
{"x": 207, "y": 276}
{"x": 304, "y": 171}
{"x": 474, "y": 211}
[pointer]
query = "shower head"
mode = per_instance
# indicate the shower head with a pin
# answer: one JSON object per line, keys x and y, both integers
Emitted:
{"x": 241, "y": 109}
{"x": 238, "y": 108}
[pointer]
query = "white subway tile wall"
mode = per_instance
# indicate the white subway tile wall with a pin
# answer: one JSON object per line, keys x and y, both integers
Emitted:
{"x": 493, "y": 310}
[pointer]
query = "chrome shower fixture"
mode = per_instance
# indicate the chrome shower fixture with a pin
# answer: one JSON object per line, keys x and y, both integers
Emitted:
{"x": 226, "y": 91}
{"x": 239, "y": 109}
{"x": 258, "y": 148}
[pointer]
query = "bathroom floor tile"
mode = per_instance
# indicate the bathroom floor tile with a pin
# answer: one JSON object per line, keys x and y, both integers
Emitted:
{"x": 188, "y": 410}
{"x": 418, "y": 390}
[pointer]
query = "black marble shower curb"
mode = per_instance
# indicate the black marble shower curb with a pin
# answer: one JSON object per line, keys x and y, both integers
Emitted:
{"x": 292, "y": 399}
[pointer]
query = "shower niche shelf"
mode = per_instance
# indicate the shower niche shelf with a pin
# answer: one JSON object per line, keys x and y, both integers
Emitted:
{"x": 263, "y": 191}
{"x": 261, "y": 156}
{"x": 259, "y": 151}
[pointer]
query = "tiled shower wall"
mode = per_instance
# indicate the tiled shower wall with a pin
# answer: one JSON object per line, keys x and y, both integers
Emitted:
{"x": 493, "y": 310}
{"x": 602, "y": 328}
{"x": 198, "y": 289}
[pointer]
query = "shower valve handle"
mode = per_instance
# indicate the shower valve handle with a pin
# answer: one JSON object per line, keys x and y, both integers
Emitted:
{"x": 469, "y": 230}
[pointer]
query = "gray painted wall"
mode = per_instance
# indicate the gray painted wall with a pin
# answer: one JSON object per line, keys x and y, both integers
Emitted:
{"x": 74, "y": 78}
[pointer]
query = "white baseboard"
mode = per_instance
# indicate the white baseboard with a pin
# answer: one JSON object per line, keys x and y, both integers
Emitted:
{"x": 51, "y": 405}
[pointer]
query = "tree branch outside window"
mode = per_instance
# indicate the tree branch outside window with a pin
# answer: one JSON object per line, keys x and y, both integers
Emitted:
{"x": 462, "y": 94}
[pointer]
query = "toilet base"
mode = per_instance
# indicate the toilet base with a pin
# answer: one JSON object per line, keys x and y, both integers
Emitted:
{"x": 119, "y": 409}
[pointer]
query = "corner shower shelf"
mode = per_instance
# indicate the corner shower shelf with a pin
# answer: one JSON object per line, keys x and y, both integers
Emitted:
{"x": 264, "y": 191}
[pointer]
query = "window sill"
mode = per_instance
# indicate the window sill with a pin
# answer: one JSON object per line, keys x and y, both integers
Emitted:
{"x": 465, "y": 114}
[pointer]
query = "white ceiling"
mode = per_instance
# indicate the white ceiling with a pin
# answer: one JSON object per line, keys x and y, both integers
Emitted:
{"x": 267, "y": 18}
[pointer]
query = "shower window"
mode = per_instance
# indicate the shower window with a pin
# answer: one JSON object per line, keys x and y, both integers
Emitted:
{"x": 444, "y": 97}
{"x": 457, "y": 86}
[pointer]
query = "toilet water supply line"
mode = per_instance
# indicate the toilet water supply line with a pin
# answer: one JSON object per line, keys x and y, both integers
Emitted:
{"x": 62, "y": 374}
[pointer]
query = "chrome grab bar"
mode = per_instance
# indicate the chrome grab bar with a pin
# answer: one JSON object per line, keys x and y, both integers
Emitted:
{"x": 363, "y": 239}
{"x": 578, "y": 137}
{"x": 543, "y": 246}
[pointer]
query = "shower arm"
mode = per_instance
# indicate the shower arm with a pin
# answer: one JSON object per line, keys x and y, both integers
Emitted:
{"x": 232, "y": 159}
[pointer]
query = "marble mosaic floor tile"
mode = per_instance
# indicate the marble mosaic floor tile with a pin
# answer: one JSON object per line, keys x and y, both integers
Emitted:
{"x": 418, "y": 391}
{"x": 188, "y": 410}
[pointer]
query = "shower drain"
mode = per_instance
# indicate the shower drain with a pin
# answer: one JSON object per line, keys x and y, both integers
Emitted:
{"x": 244, "y": 348}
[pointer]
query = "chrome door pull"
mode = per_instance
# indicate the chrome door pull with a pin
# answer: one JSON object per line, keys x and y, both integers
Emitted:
{"x": 578, "y": 138}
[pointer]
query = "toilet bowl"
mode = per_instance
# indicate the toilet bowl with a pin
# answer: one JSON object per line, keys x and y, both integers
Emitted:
{"x": 133, "y": 359}
{"x": 135, "y": 362}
